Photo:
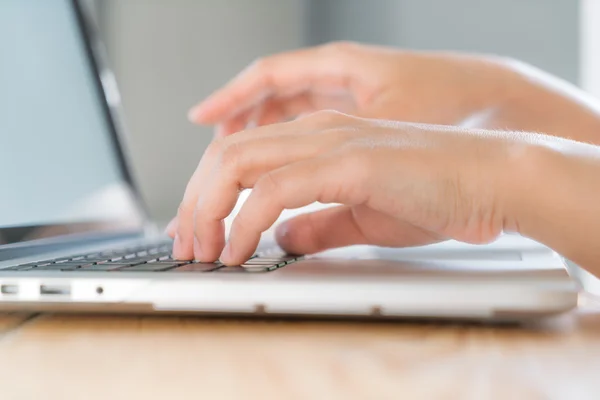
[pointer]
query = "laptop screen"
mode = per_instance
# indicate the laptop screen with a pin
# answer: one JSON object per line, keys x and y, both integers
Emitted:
{"x": 60, "y": 170}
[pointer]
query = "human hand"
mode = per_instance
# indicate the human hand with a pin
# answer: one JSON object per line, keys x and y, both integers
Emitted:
{"x": 399, "y": 184}
{"x": 366, "y": 81}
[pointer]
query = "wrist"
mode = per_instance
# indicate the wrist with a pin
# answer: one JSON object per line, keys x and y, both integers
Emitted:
{"x": 523, "y": 188}
{"x": 552, "y": 197}
{"x": 535, "y": 101}
{"x": 497, "y": 90}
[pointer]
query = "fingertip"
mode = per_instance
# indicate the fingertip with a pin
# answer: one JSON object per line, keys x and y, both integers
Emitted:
{"x": 318, "y": 231}
{"x": 227, "y": 257}
{"x": 196, "y": 114}
{"x": 179, "y": 252}
{"x": 171, "y": 228}
{"x": 294, "y": 237}
{"x": 233, "y": 256}
{"x": 282, "y": 232}
{"x": 219, "y": 132}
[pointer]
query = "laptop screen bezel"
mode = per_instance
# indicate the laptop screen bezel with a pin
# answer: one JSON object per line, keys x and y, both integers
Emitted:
{"x": 17, "y": 236}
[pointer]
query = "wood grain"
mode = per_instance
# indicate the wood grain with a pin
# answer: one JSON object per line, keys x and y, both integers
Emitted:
{"x": 10, "y": 322}
{"x": 113, "y": 357}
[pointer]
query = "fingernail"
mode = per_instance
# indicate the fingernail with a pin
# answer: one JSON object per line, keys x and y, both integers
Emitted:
{"x": 197, "y": 250}
{"x": 226, "y": 254}
{"x": 282, "y": 230}
{"x": 177, "y": 247}
{"x": 282, "y": 233}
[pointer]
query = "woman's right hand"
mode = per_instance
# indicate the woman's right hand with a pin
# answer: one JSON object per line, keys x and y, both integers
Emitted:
{"x": 366, "y": 81}
{"x": 399, "y": 184}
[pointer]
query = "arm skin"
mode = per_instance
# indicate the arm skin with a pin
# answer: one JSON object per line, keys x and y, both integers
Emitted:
{"x": 557, "y": 200}
{"x": 562, "y": 182}
{"x": 539, "y": 102}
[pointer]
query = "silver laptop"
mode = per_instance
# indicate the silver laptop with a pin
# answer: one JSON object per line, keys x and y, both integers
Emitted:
{"x": 74, "y": 235}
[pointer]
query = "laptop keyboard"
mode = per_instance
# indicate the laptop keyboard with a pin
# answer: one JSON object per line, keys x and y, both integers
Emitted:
{"x": 152, "y": 258}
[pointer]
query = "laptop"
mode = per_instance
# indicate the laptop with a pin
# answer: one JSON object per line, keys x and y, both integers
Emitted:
{"x": 75, "y": 236}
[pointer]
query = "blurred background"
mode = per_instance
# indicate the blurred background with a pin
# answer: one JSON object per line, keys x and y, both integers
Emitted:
{"x": 168, "y": 55}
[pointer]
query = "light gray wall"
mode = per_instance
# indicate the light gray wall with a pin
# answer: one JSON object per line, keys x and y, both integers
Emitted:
{"x": 170, "y": 54}
{"x": 544, "y": 33}
{"x": 167, "y": 55}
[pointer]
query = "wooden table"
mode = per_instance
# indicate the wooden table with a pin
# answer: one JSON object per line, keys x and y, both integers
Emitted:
{"x": 111, "y": 357}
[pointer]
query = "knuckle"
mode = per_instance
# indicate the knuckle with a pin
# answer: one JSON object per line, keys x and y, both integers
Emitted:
{"x": 340, "y": 47}
{"x": 326, "y": 117}
{"x": 261, "y": 64}
{"x": 213, "y": 150}
{"x": 229, "y": 157}
{"x": 269, "y": 185}
{"x": 262, "y": 69}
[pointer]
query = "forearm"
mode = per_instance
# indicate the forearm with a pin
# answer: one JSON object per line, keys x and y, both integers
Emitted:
{"x": 539, "y": 102}
{"x": 556, "y": 199}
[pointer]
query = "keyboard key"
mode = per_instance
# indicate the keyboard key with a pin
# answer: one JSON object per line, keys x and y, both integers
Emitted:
{"x": 67, "y": 264}
{"x": 18, "y": 268}
{"x": 119, "y": 262}
{"x": 232, "y": 269}
{"x": 180, "y": 262}
{"x": 140, "y": 260}
{"x": 258, "y": 267}
{"x": 94, "y": 260}
{"x": 94, "y": 255}
{"x": 43, "y": 264}
{"x": 30, "y": 265}
{"x": 60, "y": 260}
{"x": 197, "y": 267}
{"x": 149, "y": 267}
{"x": 258, "y": 261}
{"x": 57, "y": 267}
{"x": 104, "y": 267}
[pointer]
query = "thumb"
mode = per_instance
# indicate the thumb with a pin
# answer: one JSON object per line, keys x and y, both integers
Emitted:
{"x": 345, "y": 226}
{"x": 321, "y": 230}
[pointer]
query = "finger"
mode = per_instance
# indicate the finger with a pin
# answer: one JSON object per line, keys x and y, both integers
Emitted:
{"x": 345, "y": 226}
{"x": 272, "y": 111}
{"x": 276, "y": 110}
{"x": 171, "y": 228}
{"x": 252, "y": 118}
{"x": 241, "y": 168}
{"x": 313, "y": 232}
{"x": 283, "y": 75}
{"x": 184, "y": 238}
{"x": 183, "y": 245}
{"x": 247, "y": 119}
{"x": 233, "y": 125}
{"x": 323, "y": 179}
{"x": 279, "y": 109}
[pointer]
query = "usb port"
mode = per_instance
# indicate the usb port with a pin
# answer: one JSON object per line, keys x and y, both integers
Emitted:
{"x": 9, "y": 289}
{"x": 63, "y": 290}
